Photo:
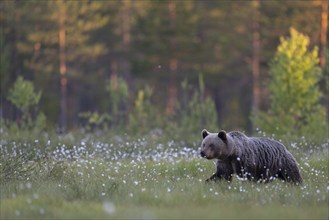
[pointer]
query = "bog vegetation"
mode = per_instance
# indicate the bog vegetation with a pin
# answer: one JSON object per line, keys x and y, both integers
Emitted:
{"x": 154, "y": 176}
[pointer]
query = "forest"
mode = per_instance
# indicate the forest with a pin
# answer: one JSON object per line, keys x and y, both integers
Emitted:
{"x": 94, "y": 61}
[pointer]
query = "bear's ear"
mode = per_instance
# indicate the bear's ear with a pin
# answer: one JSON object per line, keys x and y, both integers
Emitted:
{"x": 222, "y": 135}
{"x": 204, "y": 133}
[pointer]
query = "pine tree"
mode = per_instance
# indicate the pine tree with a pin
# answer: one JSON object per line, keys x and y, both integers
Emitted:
{"x": 57, "y": 51}
{"x": 295, "y": 96}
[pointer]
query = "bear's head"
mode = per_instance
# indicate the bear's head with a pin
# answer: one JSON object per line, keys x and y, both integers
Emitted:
{"x": 215, "y": 145}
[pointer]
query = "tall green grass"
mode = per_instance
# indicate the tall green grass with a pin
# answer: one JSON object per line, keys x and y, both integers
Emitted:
{"x": 145, "y": 178}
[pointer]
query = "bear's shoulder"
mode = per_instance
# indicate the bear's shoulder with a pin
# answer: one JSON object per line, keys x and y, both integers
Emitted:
{"x": 237, "y": 135}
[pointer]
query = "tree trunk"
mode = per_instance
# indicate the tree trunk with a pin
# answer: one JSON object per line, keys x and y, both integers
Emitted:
{"x": 114, "y": 87}
{"x": 126, "y": 14}
{"x": 324, "y": 33}
{"x": 14, "y": 55}
{"x": 62, "y": 67}
{"x": 255, "y": 57}
{"x": 172, "y": 88}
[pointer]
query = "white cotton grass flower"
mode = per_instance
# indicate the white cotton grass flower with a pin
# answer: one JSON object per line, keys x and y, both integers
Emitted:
{"x": 17, "y": 213}
{"x": 42, "y": 211}
{"x": 28, "y": 185}
{"x": 109, "y": 207}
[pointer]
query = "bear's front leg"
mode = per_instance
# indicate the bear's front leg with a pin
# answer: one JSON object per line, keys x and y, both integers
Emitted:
{"x": 224, "y": 170}
{"x": 217, "y": 177}
{"x": 214, "y": 177}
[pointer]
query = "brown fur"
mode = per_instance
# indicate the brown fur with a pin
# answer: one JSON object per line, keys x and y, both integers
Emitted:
{"x": 258, "y": 159}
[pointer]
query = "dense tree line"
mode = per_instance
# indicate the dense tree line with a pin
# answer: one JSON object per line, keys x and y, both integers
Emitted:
{"x": 95, "y": 56}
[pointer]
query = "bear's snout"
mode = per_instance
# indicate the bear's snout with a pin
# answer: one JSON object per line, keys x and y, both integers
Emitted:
{"x": 202, "y": 154}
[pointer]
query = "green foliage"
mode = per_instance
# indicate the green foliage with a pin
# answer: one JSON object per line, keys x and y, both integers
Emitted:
{"x": 197, "y": 112}
{"x": 4, "y": 63}
{"x": 95, "y": 120}
{"x": 118, "y": 90}
{"x": 25, "y": 99}
{"x": 144, "y": 115}
{"x": 116, "y": 118}
{"x": 22, "y": 95}
{"x": 295, "y": 108}
{"x": 119, "y": 94}
{"x": 13, "y": 168}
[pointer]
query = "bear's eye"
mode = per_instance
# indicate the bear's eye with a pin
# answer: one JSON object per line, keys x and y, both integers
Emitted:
{"x": 204, "y": 145}
{"x": 211, "y": 146}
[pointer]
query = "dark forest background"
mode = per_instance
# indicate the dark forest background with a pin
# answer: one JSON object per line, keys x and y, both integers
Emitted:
{"x": 146, "y": 64}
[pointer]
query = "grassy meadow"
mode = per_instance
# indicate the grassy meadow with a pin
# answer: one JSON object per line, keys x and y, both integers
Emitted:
{"x": 87, "y": 176}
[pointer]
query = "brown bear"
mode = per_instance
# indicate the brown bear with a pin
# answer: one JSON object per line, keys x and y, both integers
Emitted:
{"x": 252, "y": 158}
